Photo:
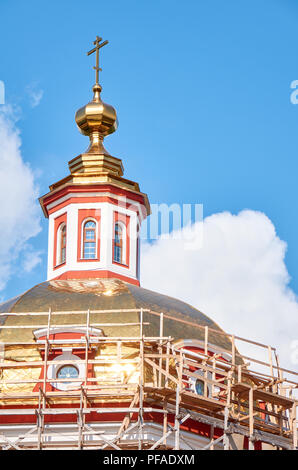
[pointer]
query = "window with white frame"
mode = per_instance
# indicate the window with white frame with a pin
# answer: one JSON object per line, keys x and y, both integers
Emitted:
{"x": 89, "y": 239}
{"x": 69, "y": 376}
{"x": 200, "y": 383}
{"x": 119, "y": 243}
{"x": 61, "y": 244}
{"x": 66, "y": 371}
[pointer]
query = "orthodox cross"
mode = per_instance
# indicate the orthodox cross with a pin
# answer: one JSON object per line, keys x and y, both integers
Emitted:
{"x": 98, "y": 45}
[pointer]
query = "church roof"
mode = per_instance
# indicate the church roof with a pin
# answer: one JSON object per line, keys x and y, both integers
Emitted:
{"x": 71, "y": 296}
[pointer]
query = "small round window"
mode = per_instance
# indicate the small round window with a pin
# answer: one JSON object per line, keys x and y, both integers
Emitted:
{"x": 68, "y": 372}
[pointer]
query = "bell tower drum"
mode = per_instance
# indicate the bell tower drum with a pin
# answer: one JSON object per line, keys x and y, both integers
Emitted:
{"x": 95, "y": 213}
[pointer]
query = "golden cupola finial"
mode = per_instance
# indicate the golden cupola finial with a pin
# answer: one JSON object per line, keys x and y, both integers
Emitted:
{"x": 97, "y": 119}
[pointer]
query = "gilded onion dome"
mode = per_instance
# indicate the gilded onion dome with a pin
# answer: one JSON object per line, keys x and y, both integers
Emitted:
{"x": 96, "y": 165}
{"x": 96, "y": 120}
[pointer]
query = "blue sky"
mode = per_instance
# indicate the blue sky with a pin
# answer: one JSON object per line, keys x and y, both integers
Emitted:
{"x": 202, "y": 91}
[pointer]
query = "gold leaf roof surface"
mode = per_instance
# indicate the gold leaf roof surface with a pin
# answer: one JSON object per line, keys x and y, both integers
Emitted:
{"x": 105, "y": 294}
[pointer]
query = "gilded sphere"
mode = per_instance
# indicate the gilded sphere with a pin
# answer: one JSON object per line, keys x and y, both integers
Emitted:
{"x": 97, "y": 116}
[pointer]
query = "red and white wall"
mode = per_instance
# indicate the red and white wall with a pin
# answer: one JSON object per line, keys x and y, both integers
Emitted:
{"x": 105, "y": 209}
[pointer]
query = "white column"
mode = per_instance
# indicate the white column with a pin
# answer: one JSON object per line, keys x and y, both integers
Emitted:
{"x": 50, "y": 246}
{"x": 133, "y": 245}
{"x": 72, "y": 238}
{"x": 106, "y": 235}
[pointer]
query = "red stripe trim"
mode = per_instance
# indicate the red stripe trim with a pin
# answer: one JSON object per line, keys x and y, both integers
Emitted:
{"x": 91, "y": 188}
{"x": 96, "y": 275}
{"x": 73, "y": 200}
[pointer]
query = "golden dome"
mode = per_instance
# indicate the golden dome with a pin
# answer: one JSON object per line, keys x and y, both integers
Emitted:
{"x": 97, "y": 120}
{"x": 107, "y": 294}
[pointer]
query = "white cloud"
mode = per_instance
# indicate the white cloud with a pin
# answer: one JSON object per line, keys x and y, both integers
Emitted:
{"x": 238, "y": 278}
{"x": 31, "y": 258}
{"x": 35, "y": 94}
{"x": 19, "y": 212}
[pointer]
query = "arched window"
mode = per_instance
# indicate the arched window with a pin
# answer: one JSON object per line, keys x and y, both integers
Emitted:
{"x": 89, "y": 240}
{"x": 63, "y": 244}
{"x": 118, "y": 244}
{"x": 61, "y": 251}
{"x": 69, "y": 371}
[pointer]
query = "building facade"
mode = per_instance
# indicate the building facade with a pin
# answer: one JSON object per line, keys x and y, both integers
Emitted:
{"x": 90, "y": 359}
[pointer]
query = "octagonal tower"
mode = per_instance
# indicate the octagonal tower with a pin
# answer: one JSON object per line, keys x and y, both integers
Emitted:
{"x": 95, "y": 213}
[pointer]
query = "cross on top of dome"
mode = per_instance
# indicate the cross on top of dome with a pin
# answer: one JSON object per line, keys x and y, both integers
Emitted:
{"x": 98, "y": 45}
{"x": 97, "y": 119}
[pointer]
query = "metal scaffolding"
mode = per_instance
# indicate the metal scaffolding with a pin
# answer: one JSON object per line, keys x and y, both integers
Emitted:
{"x": 168, "y": 393}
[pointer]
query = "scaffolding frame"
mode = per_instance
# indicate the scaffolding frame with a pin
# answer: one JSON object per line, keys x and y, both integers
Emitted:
{"x": 235, "y": 398}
